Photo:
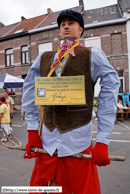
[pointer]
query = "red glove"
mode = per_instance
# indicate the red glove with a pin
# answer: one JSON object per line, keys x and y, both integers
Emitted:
{"x": 100, "y": 155}
{"x": 34, "y": 141}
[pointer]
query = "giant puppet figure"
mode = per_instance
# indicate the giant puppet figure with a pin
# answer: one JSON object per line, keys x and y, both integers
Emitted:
{"x": 68, "y": 129}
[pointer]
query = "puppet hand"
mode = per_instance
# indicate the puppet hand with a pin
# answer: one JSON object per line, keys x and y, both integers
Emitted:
{"x": 100, "y": 155}
{"x": 34, "y": 141}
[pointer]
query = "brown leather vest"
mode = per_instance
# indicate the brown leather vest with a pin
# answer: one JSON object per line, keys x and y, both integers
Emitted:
{"x": 67, "y": 118}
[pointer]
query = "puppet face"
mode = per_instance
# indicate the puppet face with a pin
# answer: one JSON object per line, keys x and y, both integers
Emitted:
{"x": 70, "y": 28}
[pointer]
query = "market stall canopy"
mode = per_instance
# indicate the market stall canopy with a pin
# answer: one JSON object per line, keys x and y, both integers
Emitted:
{"x": 10, "y": 81}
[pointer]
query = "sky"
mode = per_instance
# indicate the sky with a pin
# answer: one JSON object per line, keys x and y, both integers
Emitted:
{"x": 12, "y": 10}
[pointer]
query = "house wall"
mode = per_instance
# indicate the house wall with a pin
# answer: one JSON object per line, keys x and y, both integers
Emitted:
{"x": 17, "y": 69}
{"x": 113, "y": 43}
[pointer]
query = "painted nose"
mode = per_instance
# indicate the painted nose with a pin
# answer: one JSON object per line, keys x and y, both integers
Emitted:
{"x": 66, "y": 26}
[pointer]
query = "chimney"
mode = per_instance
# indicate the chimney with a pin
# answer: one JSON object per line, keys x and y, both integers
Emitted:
{"x": 49, "y": 11}
{"x": 23, "y": 18}
{"x": 1, "y": 25}
{"x": 81, "y": 4}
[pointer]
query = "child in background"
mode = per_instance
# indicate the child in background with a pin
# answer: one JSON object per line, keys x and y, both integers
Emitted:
{"x": 5, "y": 118}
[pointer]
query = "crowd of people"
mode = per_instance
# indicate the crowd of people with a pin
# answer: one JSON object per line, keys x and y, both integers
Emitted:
{"x": 123, "y": 102}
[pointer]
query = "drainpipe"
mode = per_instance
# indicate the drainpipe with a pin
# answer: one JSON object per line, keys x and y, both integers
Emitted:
{"x": 81, "y": 4}
{"x": 127, "y": 15}
{"x": 30, "y": 47}
{"x": 128, "y": 46}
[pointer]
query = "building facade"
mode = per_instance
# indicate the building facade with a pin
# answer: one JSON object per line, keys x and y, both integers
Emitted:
{"x": 107, "y": 27}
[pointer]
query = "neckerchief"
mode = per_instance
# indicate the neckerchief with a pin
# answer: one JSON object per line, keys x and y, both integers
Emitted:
{"x": 5, "y": 103}
{"x": 67, "y": 44}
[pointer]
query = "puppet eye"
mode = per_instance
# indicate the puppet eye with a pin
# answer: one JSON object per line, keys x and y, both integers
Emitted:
{"x": 62, "y": 24}
{"x": 71, "y": 23}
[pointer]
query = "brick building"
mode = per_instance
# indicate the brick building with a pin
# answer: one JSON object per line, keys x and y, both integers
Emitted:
{"x": 106, "y": 27}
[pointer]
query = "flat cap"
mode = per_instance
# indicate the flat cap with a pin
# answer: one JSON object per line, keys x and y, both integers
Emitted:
{"x": 71, "y": 13}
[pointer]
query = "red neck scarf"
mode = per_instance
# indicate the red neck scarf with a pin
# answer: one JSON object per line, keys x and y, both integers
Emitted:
{"x": 5, "y": 103}
{"x": 67, "y": 44}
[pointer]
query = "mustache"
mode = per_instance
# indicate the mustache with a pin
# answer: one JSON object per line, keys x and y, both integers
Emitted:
{"x": 66, "y": 32}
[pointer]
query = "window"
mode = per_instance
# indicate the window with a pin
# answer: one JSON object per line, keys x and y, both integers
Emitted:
{"x": 9, "y": 57}
{"x": 24, "y": 54}
{"x": 116, "y": 44}
{"x": 121, "y": 78}
{"x": 93, "y": 41}
{"x": 89, "y": 42}
{"x": 45, "y": 47}
{"x": 20, "y": 30}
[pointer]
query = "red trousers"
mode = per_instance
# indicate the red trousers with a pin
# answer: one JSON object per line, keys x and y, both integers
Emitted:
{"x": 76, "y": 176}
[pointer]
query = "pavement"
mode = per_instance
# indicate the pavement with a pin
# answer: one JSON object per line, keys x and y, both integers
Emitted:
{"x": 14, "y": 170}
{"x": 114, "y": 179}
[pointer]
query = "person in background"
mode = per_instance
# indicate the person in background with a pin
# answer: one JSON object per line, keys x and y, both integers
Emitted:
{"x": 94, "y": 115}
{"x": 126, "y": 100}
{"x": 5, "y": 118}
{"x": 93, "y": 112}
{"x": 69, "y": 131}
{"x": 10, "y": 101}
{"x": 119, "y": 105}
{"x": 22, "y": 111}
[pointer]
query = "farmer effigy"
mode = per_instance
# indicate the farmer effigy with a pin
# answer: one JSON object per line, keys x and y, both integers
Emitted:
{"x": 67, "y": 129}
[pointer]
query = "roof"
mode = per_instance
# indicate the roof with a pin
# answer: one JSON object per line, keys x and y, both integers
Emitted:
{"x": 101, "y": 14}
{"x": 28, "y": 24}
{"x": 124, "y": 4}
{"x": 93, "y": 16}
{"x": 6, "y": 29}
{"x": 52, "y": 18}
